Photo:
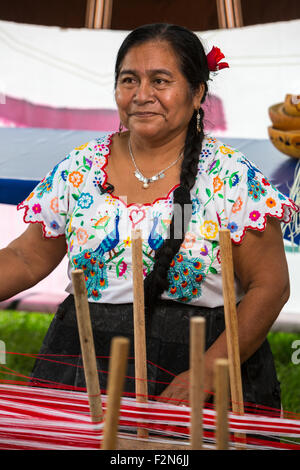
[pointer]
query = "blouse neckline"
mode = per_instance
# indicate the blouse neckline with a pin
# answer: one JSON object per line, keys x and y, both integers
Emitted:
{"x": 107, "y": 144}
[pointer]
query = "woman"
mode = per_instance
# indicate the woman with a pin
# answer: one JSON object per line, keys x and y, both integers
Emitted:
{"x": 163, "y": 170}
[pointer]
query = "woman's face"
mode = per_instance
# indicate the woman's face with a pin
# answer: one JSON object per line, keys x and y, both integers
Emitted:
{"x": 153, "y": 96}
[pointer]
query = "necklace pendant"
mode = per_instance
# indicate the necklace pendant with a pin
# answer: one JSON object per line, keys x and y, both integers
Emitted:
{"x": 153, "y": 178}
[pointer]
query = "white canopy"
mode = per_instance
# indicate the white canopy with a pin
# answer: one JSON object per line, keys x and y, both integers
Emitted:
{"x": 74, "y": 68}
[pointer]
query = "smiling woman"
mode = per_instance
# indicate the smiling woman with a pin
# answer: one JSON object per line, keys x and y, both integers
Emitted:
{"x": 161, "y": 173}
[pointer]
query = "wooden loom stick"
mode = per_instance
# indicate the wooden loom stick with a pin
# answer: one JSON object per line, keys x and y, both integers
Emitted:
{"x": 87, "y": 345}
{"x": 231, "y": 324}
{"x": 197, "y": 342}
{"x": 139, "y": 323}
{"x": 117, "y": 371}
{"x": 221, "y": 374}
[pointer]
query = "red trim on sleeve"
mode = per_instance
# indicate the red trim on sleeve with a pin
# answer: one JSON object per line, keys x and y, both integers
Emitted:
{"x": 26, "y": 207}
{"x": 280, "y": 217}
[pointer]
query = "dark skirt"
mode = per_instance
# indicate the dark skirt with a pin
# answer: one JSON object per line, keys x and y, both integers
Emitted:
{"x": 167, "y": 349}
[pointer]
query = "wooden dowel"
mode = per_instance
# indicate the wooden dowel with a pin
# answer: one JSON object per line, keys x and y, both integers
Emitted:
{"x": 197, "y": 346}
{"x": 221, "y": 374}
{"x": 116, "y": 378}
{"x": 231, "y": 324}
{"x": 139, "y": 323}
{"x": 87, "y": 345}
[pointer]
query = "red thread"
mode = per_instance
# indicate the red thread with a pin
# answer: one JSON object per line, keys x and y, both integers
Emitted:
{"x": 35, "y": 381}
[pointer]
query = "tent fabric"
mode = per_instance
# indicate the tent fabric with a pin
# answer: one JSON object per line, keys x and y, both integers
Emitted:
{"x": 74, "y": 69}
{"x": 27, "y": 155}
{"x": 22, "y": 113}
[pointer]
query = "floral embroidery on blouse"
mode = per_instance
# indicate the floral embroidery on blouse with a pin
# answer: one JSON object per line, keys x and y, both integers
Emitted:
{"x": 46, "y": 184}
{"x": 229, "y": 192}
{"x": 185, "y": 277}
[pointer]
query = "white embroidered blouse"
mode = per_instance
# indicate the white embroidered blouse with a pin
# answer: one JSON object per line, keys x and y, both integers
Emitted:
{"x": 229, "y": 192}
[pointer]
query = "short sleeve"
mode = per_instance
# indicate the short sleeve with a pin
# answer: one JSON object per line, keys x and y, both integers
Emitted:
{"x": 50, "y": 203}
{"x": 248, "y": 197}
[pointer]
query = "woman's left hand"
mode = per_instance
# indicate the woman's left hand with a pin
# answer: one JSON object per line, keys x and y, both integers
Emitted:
{"x": 177, "y": 392}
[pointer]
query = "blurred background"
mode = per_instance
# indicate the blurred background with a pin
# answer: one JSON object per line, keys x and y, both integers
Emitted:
{"x": 198, "y": 15}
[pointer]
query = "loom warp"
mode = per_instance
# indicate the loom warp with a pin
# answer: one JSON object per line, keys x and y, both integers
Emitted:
{"x": 34, "y": 418}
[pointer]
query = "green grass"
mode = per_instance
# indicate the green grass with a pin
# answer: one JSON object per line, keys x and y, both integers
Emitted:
{"x": 288, "y": 372}
{"x": 23, "y": 332}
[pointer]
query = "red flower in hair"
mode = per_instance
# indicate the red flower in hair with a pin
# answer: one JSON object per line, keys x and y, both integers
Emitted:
{"x": 213, "y": 59}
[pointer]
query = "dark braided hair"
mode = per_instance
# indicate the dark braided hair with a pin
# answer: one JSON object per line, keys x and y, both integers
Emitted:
{"x": 192, "y": 59}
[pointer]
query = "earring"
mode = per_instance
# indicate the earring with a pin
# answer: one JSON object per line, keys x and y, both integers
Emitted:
{"x": 120, "y": 127}
{"x": 198, "y": 117}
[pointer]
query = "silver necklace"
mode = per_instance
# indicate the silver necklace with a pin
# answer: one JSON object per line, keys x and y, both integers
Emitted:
{"x": 142, "y": 178}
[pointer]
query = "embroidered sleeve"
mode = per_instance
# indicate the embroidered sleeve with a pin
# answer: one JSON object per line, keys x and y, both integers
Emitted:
{"x": 247, "y": 197}
{"x": 51, "y": 201}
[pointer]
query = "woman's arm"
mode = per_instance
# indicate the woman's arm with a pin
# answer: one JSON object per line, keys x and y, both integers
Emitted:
{"x": 29, "y": 259}
{"x": 260, "y": 264}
